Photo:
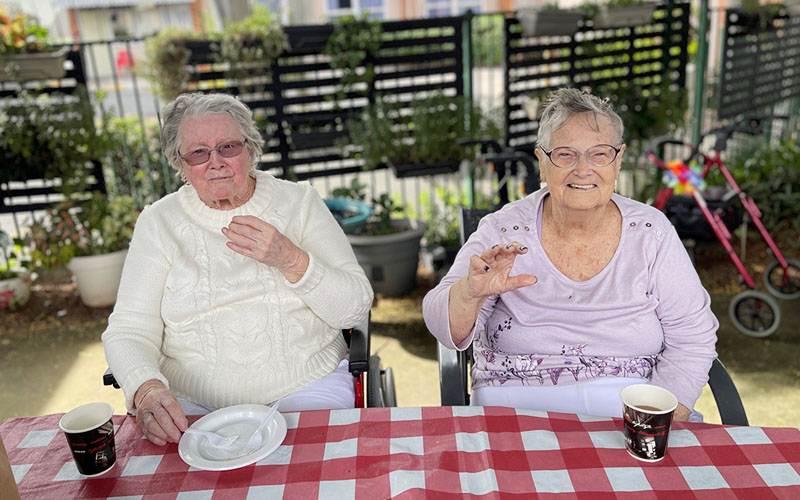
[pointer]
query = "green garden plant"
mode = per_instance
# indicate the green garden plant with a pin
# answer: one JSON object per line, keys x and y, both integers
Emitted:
{"x": 166, "y": 57}
{"x": 251, "y": 45}
{"x": 769, "y": 174}
{"x": 384, "y": 208}
{"x": 10, "y": 254}
{"x": 21, "y": 34}
{"x": 427, "y": 133}
{"x": 101, "y": 224}
{"x": 352, "y": 45}
{"x": 50, "y": 136}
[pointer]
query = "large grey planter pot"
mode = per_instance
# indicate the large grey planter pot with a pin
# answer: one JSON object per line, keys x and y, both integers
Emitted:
{"x": 624, "y": 16}
{"x": 536, "y": 22}
{"x": 390, "y": 260}
{"x": 33, "y": 66}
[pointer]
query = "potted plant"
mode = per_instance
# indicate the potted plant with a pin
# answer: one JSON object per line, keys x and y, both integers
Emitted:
{"x": 624, "y": 13}
{"x": 247, "y": 47}
{"x": 166, "y": 60}
{"x": 250, "y": 47}
{"x": 25, "y": 53}
{"x": 441, "y": 240}
{"x": 422, "y": 140}
{"x": 548, "y": 20}
{"x": 352, "y": 45}
{"x": 387, "y": 247}
{"x": 51, "y": 136}
{"x": 15, "y": 280}
{"x": 91, "y": 239}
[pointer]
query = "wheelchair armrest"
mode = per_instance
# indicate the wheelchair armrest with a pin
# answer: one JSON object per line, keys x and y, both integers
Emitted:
{"x": 108, "y": 379}
{"x": 729, "y": 403}
{"x": 359, "y": 348}
{"x": 452, "y": 376}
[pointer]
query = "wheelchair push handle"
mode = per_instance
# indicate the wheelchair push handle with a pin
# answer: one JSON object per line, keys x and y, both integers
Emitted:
{"x": 653, "y": 146}
{"x": 515, "y": 156}
{"x": 750, "y": 125}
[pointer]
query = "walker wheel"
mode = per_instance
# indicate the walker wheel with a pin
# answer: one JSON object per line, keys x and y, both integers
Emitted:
{"x": 784, "y": 285}
{"x": 755, "y": 313}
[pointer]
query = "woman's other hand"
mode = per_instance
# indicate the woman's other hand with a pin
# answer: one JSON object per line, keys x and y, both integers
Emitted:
{"x": 488, "y": 275}
{"x": 254, "y": 238}
{"x": 158, "y": 413}
{"x": 681, "y": 413}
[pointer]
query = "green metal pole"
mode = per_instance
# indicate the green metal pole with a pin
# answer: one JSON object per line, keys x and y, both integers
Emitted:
{"x": 466, "y": 78}
{"x": 700, "y": 72}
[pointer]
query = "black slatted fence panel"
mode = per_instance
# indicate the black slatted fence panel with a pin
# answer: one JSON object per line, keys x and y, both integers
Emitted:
{"x": 760, "y": 64}
{"x": 31, "y": 194}
{"x": 645, "y": 55}
{"x": 296, "y": 101}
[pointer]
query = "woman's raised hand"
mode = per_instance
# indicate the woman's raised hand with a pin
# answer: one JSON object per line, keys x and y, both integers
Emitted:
{"x": 489, "y": 273}
{"x": 254, "y": 238}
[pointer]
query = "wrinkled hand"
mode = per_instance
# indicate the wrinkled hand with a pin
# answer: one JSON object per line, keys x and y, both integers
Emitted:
{"x": 681, "y": 413}
{"x": 489, "y": 273}
{"x": 158, "y": 413}
{"x": 259, "y": 240}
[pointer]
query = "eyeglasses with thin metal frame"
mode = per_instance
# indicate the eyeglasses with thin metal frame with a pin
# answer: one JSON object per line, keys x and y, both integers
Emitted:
{"x": 600, "y": 155}
{"x": 201, "y": 155}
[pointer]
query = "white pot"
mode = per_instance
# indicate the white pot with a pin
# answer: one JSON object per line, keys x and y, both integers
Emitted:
{"x": 98, "y": 277}
{"x": 15, "y": 292}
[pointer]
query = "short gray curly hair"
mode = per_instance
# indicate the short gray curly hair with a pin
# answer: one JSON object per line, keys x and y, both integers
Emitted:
{"x": 196, "y": 104}
{"x": 565, "y": 103}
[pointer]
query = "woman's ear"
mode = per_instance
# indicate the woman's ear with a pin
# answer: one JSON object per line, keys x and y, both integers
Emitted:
{"x": 539, "y": 156}
{"x": 618, "y": 161}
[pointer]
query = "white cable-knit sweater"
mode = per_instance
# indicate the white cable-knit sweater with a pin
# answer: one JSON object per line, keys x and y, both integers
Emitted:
{"x": 219, "y": 328}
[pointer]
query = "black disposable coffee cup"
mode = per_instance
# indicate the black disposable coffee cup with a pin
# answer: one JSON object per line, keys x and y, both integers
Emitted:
{"x": 90, "y": 435}
{"x": 647, "y": 417}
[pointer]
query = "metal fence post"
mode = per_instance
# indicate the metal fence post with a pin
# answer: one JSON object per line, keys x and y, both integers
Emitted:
{"x": 700, "y": 73}
{"x": 466, "y": 64}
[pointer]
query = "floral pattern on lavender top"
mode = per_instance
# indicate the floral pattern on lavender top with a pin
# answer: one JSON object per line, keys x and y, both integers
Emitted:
{"x": 493, "y": 367}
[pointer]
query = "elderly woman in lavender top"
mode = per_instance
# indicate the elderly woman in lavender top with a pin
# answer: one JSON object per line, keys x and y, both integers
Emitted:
{"x": 575, "y": 292}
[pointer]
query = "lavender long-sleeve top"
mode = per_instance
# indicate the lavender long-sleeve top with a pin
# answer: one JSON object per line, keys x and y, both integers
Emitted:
{"x": 645, "y": 314}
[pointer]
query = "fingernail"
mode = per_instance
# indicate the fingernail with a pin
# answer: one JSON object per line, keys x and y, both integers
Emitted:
{"x": 495, "y": 246}
{"x": 523, "y": 248}
{"x": 508, "y": 246}
{"x": 485, "y": 268}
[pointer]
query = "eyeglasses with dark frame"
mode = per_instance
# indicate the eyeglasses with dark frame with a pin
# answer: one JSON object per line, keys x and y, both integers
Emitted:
{"x": 600, "y": 155}
{"x": 201, "y": 155}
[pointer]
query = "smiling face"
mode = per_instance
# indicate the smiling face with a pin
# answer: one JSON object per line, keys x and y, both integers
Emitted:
{"x": 584, "y": 186}
{"x": 220, "y": 182}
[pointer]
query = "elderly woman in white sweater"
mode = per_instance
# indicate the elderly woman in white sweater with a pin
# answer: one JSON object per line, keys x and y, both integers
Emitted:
{"x": 236, "y": 287}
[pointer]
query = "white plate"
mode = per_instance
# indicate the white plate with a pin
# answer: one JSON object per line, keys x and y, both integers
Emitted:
{"x": 239, "y": 420}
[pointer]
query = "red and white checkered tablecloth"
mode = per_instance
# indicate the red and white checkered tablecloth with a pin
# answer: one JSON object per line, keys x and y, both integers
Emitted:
{"x": 436, "y": 452}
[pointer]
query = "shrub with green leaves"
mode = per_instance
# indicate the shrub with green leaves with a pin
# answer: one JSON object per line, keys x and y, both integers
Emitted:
{"x": 99, "y": 225}
{"x": 770, "y": 175}
{"x": 50, "y": 136}
{"x": 134, "y": 165}
{"x": 425, "y": 133}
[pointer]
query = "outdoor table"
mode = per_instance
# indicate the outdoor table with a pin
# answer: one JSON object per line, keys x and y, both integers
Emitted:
{"x": 428, "y": 452}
